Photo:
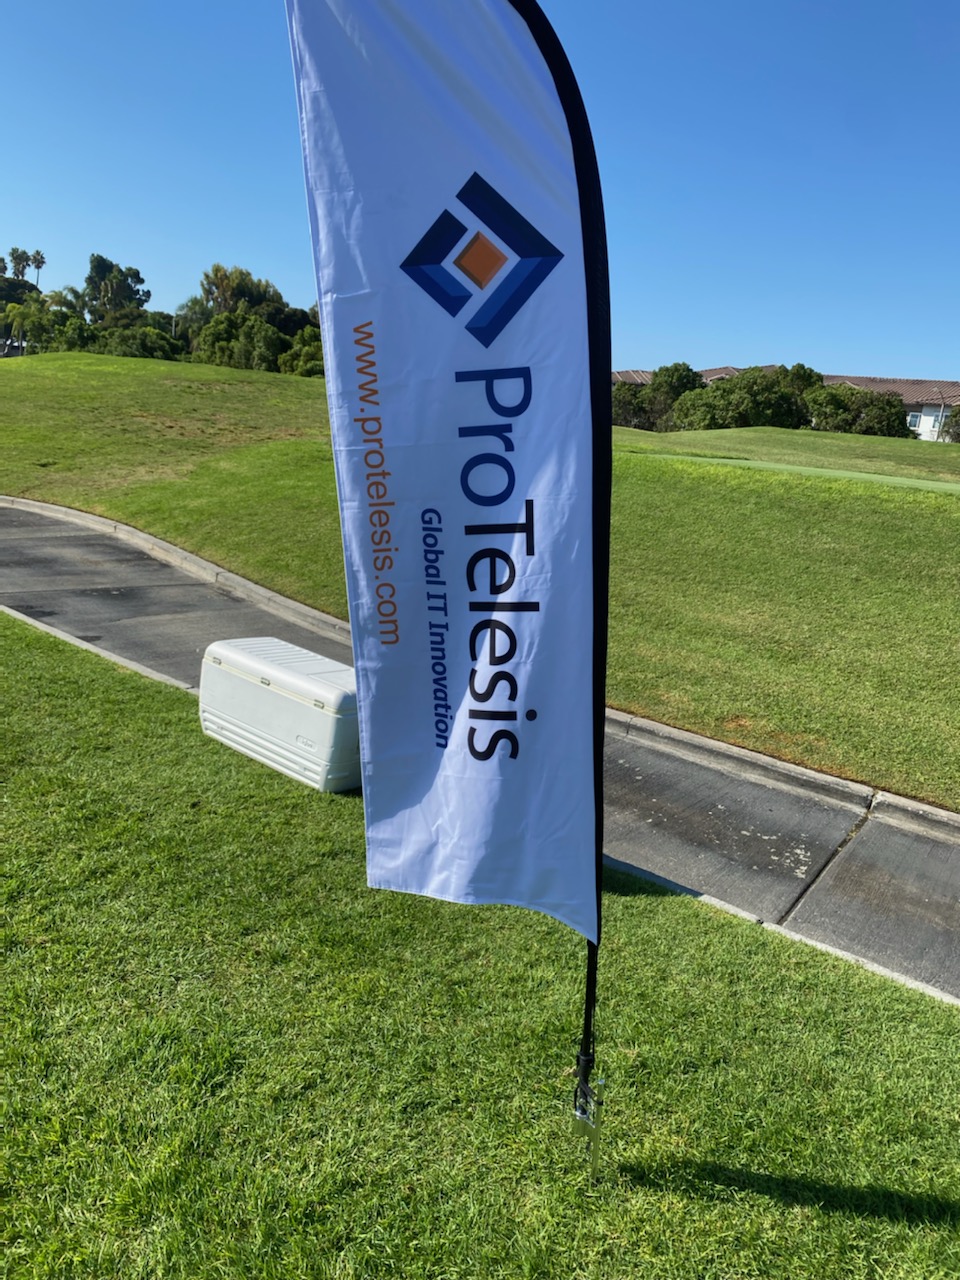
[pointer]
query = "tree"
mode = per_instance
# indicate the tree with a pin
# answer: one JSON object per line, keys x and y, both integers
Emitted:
{"x": 15, "y": 316}
{"x": 68, "y": 328}
{"x": 72, "y": 333}
{"x": 216, "y": 340}
{"x": 259, "y": 345}
{"x": 649, "y": 406}
{"x": 833, "y": 408}
{"x": 215, "y": 289}
{"x": 110, "y": 289}
{"x": 230, "y": 291}
{"x": 704, "y": 410}
{"x": 950, "y": 428}
{"x": 884, "y": 415}
{"x": 42, "y": 324}
{"x": 305, "y": 357}
{"x": 752, "y": 398}
{"x": 241, "y": 341}
{"x": 19, "y": 261}
{"x": 3, "y": 266}
{"x": 225, "y": 288}
{"x": 12, "y": 290}
{"x": 629, "y": 409}
{"x": 38, "y": 262}
{"x": 33, "y": 324}
{"x": 68, "y": 299}
{"x": 121, "y": 291}
{"x": 100, "y": 268}
{"x": 667, "y": 384}
{"x": 800, "y": 378}
{"x": 190, "y": 318}
{"x": 289, "y": 320}
{"x": 853, "y": 410}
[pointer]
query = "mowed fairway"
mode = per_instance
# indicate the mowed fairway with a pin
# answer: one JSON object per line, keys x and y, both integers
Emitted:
{"x": 812, "y": 617}
{"x": 228, "y": 1058}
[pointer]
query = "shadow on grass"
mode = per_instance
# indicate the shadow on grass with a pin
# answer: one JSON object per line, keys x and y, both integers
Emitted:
{"x": 629, "y": 882}
{"x": 708, "y": 1180}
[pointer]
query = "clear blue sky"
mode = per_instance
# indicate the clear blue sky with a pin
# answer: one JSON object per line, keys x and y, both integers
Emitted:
{"x": 782, "y": 179}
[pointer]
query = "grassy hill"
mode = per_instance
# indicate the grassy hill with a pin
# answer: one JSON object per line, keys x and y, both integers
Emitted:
{"x": 228, "y": 1058}
{"x": 811, "y": 616}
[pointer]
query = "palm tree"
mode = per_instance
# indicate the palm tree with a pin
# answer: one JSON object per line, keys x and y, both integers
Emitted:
{"x": 68, "y": 299}
{"x": 19, "y": 261}
{"x": 14, "y": 316}
{"x": 216, "y": 288}
{"x": 38, "y": 261}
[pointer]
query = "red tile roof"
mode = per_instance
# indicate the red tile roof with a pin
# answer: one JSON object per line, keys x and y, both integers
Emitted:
{"x": 910, "y": 390}
{"x": 639, "y": 377}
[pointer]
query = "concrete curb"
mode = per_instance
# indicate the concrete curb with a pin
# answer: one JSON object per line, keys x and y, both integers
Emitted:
{"x": 919, "y": 819}
{"x": 739, "y": 762}
{"x": 901, "y": 978}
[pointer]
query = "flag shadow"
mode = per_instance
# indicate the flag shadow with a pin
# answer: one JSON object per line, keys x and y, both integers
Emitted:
{"x": 626, "y": 881}
{"x": 710, "y": 1180}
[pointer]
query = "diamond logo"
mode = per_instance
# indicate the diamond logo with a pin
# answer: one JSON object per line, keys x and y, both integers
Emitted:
{"x": 482, "y": 262}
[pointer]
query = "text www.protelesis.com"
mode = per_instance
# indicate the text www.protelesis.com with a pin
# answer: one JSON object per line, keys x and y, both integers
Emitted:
{"x": 379, "y": 503}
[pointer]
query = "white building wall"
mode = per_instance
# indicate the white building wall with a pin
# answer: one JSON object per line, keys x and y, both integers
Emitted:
{"x": 931, "y": 417}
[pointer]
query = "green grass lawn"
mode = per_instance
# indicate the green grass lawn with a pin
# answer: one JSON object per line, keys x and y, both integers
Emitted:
{"x": 808, "y": 616}
{"x": 813, "y": 619}
{"x": 912, "y": 459}
{"x": 228, "y": 1058}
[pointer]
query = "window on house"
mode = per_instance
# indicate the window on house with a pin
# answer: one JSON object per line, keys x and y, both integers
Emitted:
{"x": 913, "y": 421}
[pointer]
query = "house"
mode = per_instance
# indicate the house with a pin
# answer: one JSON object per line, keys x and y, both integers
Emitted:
{"x": 927, "y": 404}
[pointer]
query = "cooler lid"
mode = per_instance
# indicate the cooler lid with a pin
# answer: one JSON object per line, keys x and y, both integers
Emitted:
{"x": 267, "y": 660}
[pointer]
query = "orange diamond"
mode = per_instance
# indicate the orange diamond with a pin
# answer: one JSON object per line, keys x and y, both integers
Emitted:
{"x": 480, "y": 260}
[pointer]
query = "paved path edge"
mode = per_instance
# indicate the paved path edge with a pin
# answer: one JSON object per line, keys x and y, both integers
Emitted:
{"x": 723, "y": 756}
{"x": 728, "y": 908}
{"x": 205, "y": 570}
{"x": 102, "y": 653}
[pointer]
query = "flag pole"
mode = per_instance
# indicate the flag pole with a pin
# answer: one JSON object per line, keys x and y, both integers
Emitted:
{"x": 587, "y": 1097}
{"x": 585, "y": 1058}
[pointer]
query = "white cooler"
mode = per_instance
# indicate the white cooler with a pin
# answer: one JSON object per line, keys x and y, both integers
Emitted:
{"x": 285, "y": 706}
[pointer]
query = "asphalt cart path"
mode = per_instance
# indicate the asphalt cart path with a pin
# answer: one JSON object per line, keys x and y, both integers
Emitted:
{"x": 872, "y": 876}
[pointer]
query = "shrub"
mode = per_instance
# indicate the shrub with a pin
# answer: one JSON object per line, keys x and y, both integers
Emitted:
{"x": 754, "y": 398}
{"x": 144, "y": 341}
{"x": 856, "y": 411}
{"x": 240, "y": 341}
